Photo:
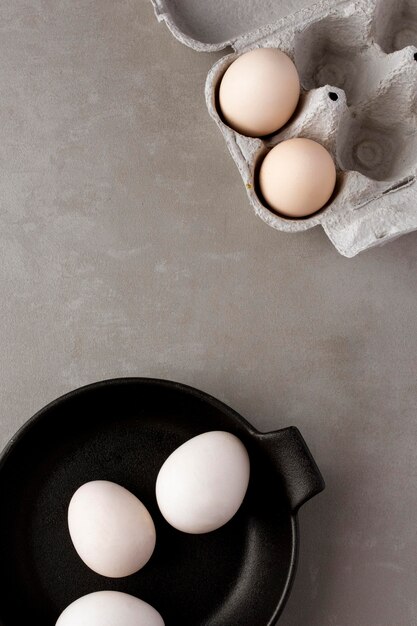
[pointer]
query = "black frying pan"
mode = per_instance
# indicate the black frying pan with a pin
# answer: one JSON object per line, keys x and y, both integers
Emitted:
{"x": 122, "y": 431}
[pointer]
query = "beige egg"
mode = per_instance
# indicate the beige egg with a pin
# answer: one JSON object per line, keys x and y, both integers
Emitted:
{"x": 112, "y": 531}
{"x": 259, "y": 92}
{"x": 298, "y": 177}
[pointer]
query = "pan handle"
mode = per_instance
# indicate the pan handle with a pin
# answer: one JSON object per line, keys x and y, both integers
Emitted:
{"x": 293, "y": 460}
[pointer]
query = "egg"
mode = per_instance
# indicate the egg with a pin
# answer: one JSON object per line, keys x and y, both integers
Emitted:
{"x": 111, "y": 529}
{"x": 202, "y": 484}
{"x": 259, "y": 92}
{"x": 297, "y": 177}
{"x": 109, "y": 608}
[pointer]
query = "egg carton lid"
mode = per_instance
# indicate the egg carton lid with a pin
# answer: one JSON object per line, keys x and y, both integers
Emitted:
{"x": 210, "y": 25}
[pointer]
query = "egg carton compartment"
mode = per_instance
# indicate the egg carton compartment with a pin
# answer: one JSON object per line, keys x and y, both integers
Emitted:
{"x": 334, "y": 51}
{"x": 395, "y": 25}
{"x": 379, "y": 137}
{"x": 357, "y": 62}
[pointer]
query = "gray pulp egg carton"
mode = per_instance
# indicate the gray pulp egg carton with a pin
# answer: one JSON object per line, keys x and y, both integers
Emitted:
{"x": 357, "y": 62}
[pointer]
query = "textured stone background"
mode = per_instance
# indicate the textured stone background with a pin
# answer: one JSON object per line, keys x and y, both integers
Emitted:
{"x": 128, "y": 248}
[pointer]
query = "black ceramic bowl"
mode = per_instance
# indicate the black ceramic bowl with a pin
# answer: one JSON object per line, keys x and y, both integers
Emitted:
{"x": 122, "y": 431}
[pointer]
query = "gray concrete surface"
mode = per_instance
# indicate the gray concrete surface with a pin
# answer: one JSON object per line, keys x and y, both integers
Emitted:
{"x": 128, "y": 248}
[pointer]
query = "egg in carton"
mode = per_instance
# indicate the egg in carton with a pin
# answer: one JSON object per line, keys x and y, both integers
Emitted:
{"x": 357, "y": 62}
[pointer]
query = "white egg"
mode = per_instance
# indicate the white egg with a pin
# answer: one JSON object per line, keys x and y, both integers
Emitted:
{"x": 111, "y": 529}
{"x": 109, "y": 608}
{"x": 202, "y": 484}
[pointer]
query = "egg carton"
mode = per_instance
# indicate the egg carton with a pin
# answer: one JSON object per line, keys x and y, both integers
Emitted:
{"x": 357, "y": 62}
